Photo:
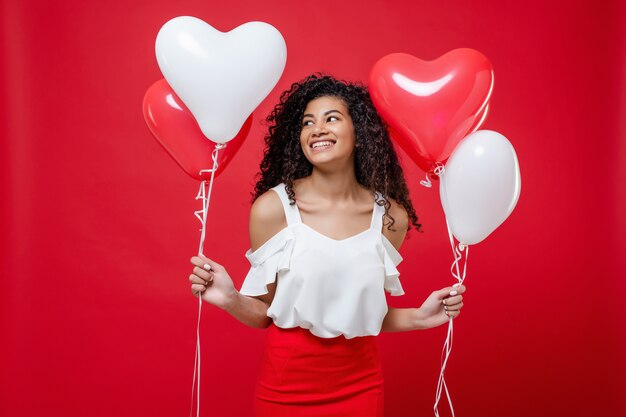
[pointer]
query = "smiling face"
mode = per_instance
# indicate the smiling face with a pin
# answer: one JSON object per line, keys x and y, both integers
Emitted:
{"x": 327, "y": 134}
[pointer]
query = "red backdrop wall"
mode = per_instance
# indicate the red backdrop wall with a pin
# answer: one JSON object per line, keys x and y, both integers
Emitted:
{"x": 97, "y": 221}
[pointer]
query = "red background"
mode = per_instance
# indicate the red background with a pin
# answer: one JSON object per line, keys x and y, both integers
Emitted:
{"x": 97, "y": 221}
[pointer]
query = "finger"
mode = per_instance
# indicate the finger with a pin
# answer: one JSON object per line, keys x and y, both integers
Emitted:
{"x": 455, "y": 307}
{"x": 196, "y": 288}
{"x": 452, "y": 314}
{"x": 443, "y": 293}
{"x": 450, "y": 301}
{"x": 201, "y": 261}
{"x": 456, "y": 289}
{"x": 197, "y": 293}
{"x": 205, "y": 275}
{"x": 204, "y": 261}
{"x": 194, "y": 279}
{"x": 460, "y": 288}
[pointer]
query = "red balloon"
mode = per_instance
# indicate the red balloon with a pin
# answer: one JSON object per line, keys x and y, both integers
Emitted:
{"x": 175, "y": 128}
{"x": 431, "y": 105}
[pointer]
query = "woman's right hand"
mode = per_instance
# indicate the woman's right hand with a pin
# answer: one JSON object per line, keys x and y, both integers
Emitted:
{"x": 211, "y": 280}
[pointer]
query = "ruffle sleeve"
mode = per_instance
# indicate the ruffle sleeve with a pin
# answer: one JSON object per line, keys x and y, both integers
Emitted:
{"x": 391, "y": 259}
{"x": 271, "y": 258}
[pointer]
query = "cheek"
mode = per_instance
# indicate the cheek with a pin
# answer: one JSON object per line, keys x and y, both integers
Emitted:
{"x": 350, "y": 135}
{"x": 302, "y": 135}
{"x": 349, "y": 132}
{"x": 302, "y": 149}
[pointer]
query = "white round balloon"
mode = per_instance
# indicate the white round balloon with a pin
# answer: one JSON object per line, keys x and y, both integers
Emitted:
{"x": 480, "y": 186}
{"x": 220, "y": 76}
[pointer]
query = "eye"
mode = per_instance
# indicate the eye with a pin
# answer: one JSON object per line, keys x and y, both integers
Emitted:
{"x": 307, "y": 122}
{"x": 332, "y": 118}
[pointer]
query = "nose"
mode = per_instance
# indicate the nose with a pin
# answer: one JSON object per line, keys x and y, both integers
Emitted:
{"x": 319, "y": 129}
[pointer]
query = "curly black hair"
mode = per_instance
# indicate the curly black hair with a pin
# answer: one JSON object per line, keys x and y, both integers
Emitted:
{"x": 376, "y": 163}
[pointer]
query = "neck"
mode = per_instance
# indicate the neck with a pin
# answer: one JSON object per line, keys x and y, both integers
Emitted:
{"x": 335, "y": 184}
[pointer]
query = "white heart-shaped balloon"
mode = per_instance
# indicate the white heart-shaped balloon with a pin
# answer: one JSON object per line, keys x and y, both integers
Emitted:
{"x": 480, "y": 186}
{"x": 220, "y": 76}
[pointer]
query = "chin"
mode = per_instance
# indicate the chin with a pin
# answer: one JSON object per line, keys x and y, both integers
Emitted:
{"x": 330, "y": 161}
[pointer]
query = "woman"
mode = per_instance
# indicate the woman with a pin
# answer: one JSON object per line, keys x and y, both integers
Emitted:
{"x": 331, "y": 209}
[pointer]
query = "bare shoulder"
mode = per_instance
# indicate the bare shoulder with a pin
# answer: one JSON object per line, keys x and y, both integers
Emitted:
{"x": 400, "y": 226}
{"x": 267, "y": 218}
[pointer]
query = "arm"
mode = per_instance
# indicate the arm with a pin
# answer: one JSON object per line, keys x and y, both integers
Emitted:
{"x": 212, "y": 280}
{"x": 433, "y": 312}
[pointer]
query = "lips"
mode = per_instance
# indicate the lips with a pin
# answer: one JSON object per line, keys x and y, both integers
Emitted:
{"x": 320, "y": 145}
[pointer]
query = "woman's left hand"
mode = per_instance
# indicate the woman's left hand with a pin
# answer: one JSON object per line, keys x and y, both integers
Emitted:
{"x": 441, "y": 306}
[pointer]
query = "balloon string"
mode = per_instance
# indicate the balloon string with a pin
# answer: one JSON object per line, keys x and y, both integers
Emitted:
{"x": 438, "y": 171}
{"x": 204, "y": 194}
{"x": 206, "y": 197}
{"x": 196, "y": 363}
{"x": 457, "y": 252}
{"x": 441, "y": 384}
{"x": 459, "y": 274}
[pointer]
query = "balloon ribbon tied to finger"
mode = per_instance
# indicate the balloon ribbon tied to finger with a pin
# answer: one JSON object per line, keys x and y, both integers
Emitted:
{"x": 460, "y": 252}
{"x": 204, "y": 194}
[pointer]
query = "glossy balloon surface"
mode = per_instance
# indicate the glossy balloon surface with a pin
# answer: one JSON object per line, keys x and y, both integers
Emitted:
{"x": 220, "y": 76}
{"x": 431, "y": 106}
{"x": 175, "y": 128}
{"x": 480, "y": 186}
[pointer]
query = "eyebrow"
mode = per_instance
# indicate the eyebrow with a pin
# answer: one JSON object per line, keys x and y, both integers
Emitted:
{"x": 325, "y": 113}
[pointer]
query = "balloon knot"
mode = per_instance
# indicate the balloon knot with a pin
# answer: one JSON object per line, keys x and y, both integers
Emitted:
{"x": 439, "y": 169}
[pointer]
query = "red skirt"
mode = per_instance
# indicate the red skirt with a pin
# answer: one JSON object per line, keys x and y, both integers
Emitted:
{"x": 304, "y": 376}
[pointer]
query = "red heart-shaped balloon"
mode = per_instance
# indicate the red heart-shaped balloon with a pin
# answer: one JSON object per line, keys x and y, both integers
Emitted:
{"x": 431, "y": 105}
{"x": 175, "y": 128}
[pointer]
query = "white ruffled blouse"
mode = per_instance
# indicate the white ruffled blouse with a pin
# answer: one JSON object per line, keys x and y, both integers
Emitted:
{"x": 331, "y": 287}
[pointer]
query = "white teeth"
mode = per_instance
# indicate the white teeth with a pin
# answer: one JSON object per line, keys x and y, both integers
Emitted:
{"x": 321, "y": 144}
